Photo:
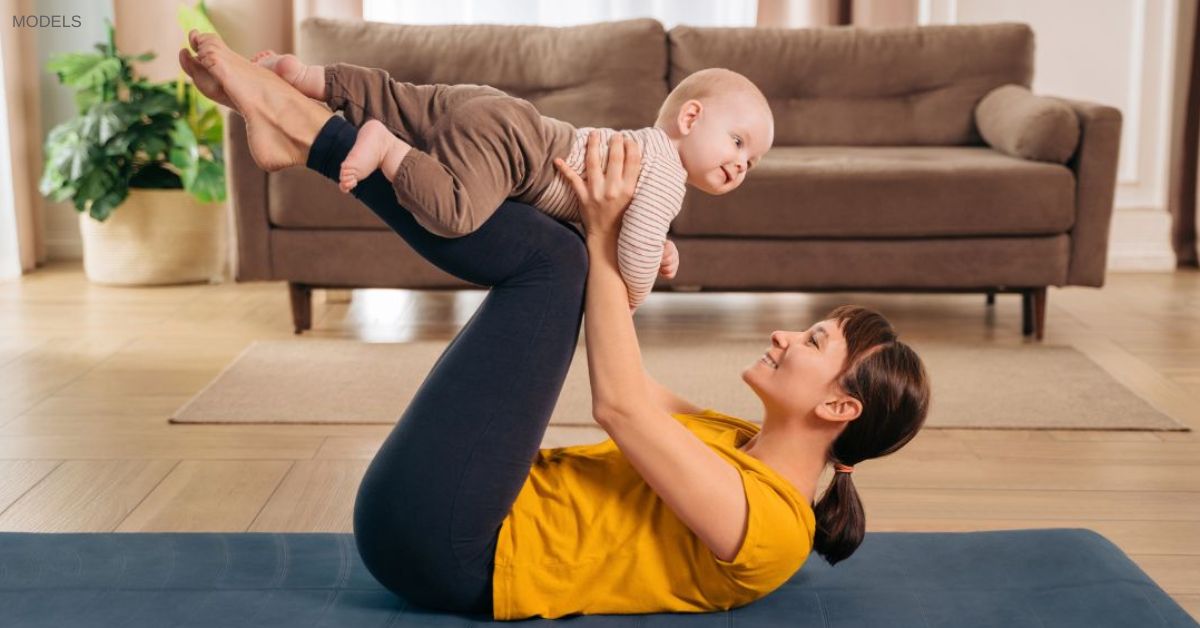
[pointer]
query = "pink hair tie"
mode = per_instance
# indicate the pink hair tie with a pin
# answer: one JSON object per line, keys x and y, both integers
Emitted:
{"x": 841, "y": 468}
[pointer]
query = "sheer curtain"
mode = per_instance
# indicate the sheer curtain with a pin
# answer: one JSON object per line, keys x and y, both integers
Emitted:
{"x": 22, "y": 242}
{"x": 557, "y": 13}
{"x": 817, "y": 13}
{"x": 10, "y": 258}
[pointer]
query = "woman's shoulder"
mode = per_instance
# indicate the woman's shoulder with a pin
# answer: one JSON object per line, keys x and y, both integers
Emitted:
{"x": 714, "y": 417}
{"x": 722, "y": 431}
{"x": 727, "y": 434}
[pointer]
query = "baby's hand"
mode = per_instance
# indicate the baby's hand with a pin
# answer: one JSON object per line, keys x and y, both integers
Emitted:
{"x": 670, "y": 260}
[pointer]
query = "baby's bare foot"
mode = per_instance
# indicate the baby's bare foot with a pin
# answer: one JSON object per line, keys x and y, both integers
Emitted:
{"x": 309, "y": 79}
{"x": 374, "y": 148}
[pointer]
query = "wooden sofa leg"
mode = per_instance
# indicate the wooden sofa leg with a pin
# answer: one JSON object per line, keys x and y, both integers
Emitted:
{"x": 1039, "y": 313}
{"x": 991, "y": 298}
{"x": 1033, "y": 312}
{"x": 301, "y": 297}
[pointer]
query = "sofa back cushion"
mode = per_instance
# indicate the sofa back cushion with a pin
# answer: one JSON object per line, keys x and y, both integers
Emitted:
{"x": 609, "y": 74}
{"x": 913, "y": 85}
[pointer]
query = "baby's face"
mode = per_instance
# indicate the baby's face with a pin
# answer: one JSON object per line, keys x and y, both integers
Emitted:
{"x": 723, "y": 142}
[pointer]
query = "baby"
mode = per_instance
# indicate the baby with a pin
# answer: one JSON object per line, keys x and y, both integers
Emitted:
{"x": 454, "y": 153}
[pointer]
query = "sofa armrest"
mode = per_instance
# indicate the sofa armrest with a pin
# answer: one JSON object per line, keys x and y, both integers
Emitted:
{"x": 1095, "y": 167}
{"x": 1016, "y": 122}
{"x": 247, "y": 205}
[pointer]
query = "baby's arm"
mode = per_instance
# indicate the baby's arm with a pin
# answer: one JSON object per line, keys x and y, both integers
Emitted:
{"x": 656, "y": 202}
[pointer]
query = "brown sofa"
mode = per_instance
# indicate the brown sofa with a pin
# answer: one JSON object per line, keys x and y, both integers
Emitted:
{"x": 906, "y": 159}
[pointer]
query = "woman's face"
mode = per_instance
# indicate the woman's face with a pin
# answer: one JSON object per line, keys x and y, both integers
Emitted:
{"x": 795, "y": 376}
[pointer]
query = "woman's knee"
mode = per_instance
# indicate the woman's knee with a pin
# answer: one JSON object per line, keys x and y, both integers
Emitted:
{"x": 566, "y": 251}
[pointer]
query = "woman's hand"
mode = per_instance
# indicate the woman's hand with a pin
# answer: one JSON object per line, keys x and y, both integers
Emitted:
{"x": 605, "y": 190}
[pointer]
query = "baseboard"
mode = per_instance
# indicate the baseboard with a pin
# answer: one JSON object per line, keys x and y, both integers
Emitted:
{"x": 1140, "y": 240}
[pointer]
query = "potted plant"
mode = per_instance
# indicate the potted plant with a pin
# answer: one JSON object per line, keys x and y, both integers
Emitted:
{"x": 143, "y": 165}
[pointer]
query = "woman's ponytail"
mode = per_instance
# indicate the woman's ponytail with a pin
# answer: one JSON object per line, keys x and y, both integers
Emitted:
{"x": 841, "y": 523}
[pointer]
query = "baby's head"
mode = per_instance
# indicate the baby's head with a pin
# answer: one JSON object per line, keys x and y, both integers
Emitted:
{"x": 722, "y": 125}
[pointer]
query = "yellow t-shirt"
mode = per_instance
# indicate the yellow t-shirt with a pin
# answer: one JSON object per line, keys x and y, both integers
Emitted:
{"x": 588, "y": 535}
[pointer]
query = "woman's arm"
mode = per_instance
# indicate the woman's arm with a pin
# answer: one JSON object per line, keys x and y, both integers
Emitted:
{"x": 669, "y": 401}
{"x": 692, "y": 479}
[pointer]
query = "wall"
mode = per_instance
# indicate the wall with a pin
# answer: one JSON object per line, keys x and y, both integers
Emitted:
{"x": 1119, "y": 53}
{"x": 58, "y": 105}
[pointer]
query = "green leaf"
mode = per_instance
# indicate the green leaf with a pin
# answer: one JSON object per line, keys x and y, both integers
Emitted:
{"x": 194, "y": 17}
{"x": 85, "y": 99}
{"x": 208, "y": 186}
{"x": 184, "y": 141}
{"x": 85, "y": 71}
{"x": 101, "y": 208}
{"x": 154, "y": 100}
{"x": 210, "y": 127}
{"x": 101, "y": 122}
{"x": 60, "y": 142}
{"x": 51, "y": 181}
{"x": 155, "y": 146}
{"x": 102, "y": 188}
{"x": 185, "y": 153}
{"x": 79, "y": 162}
{"x": 119, "y": 144}
{"x": 97, "y": 181}
{"x": 65, "y": 193}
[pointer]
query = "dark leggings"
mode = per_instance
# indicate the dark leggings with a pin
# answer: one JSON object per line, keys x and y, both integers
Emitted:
{"x": 431, "y": 502}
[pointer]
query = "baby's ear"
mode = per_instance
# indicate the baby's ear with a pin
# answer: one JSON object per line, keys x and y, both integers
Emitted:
{"x": 689, "y": 113}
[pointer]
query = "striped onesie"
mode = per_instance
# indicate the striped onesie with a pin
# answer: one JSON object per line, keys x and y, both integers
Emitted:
{"x": 475, "y": 146}
{"x": 657, "y": 199}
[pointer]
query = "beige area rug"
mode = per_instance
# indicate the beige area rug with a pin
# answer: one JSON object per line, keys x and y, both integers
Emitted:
{"x": 346, "y": 381}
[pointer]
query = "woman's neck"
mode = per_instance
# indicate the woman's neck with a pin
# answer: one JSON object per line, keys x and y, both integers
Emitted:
{"x": 796, "y": 452}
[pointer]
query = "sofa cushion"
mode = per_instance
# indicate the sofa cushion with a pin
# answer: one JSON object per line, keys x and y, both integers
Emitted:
{"x": 608, "y": 74}
{"x": 1016, "y": 122}
{"x": 853, "y": 191}
{"x": 913, "y": 85}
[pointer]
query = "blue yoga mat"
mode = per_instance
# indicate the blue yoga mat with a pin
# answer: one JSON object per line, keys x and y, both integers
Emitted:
{"x": 1047, "y": 578}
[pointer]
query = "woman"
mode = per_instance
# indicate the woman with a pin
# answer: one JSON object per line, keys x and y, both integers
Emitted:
{"x": 683, "y": 509}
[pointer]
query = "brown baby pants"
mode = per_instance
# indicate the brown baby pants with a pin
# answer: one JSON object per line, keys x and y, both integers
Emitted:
{"x": 473, "y": 146}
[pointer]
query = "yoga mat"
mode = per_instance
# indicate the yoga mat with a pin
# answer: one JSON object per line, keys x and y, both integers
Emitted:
{"x": 348, "y": 381}
{"x": 1046, "y": 578}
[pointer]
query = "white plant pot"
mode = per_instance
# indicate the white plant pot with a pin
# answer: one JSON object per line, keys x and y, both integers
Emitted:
{"x": 156, "y": 237}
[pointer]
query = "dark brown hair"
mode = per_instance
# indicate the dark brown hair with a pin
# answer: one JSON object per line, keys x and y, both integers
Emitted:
{"x": 889, "y": 379}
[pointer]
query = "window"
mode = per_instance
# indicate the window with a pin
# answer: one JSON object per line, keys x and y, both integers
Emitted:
{"x": 557, "y": 13}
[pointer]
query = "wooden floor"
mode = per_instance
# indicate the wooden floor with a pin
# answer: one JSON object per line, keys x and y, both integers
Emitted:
{"x": 88, "y": 374}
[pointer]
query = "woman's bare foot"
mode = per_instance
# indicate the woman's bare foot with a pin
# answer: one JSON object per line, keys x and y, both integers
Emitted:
{"x": 280, "y": 122}
{"x": 375, "y": 147}
{"x": 202, "y": 79}
{"x": 309, "y": 79}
